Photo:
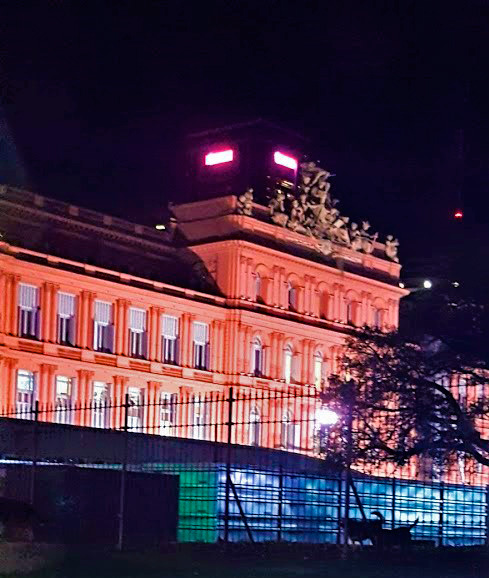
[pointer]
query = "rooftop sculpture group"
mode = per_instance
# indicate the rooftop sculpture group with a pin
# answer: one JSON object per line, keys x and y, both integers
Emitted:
{"x": 311, "y": 210}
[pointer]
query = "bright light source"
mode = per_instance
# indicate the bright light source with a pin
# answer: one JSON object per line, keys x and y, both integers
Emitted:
{"x": 219, "y": 157}
{"x": 285, "y": 161}
{"x": 427, "y": 284}
{"x": 160, "y": 227}
{"x": 401, "y": 285}
{"x": 456, "y": 284}
{"x": 458, "y": 214}
{"x": 325, "y": 416}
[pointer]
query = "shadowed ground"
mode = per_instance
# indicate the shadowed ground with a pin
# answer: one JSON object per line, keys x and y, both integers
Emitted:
{"x": 271, "y": 563}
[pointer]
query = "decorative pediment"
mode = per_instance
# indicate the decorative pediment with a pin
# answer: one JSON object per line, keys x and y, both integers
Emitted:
{"x": 309, "y": 209}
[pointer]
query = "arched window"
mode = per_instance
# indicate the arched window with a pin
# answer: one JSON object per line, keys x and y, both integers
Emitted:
{"x": 255, "y": 427}
{"x": 288, "y": 433}
{"x": 378, "y": 318}
{"x": 258, "y": 288}
{"x": 257, "y": 357}
{"x": 318, "y": 369}
{"x": 292, "y": 296}
{"x": 288, "y": 363}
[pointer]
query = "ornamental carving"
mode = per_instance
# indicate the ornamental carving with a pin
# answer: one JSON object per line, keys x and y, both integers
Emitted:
{"x": 311, "y": 210}
{"x": 245, "y": 203}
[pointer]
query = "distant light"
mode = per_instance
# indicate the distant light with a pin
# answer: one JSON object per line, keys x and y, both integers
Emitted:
{"x": 160, "y": 227}
{"x": 456, "y": 284}
{"x": 401, "y": 285}
{"x": 325, "y": 416}
{"x": 285, "y": 161}
{"x": 427, "y": 284}
{"x": 219, "y": 157}
{"x": 458, "y": 214}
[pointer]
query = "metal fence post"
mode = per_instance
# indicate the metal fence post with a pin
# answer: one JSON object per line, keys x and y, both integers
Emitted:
{"x": 122, "y": 491}
{"x": 441, "y": 510}
{"x": 487, "y": 515}
{"x": 349, "y": 450}
{"x": 228, "y": 466}
{"x": 35, "y": 433}
{"x": 280, "y": 503}
{"x": 393, "y": 505}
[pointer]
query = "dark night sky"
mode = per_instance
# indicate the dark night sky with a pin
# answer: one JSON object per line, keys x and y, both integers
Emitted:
{"x": 97, "y": 96}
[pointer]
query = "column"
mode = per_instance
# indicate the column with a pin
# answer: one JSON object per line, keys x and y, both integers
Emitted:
{"x": 80, "y": 316}
{"x": 8, "y": 369}
{"x": 121, "y": 308}
{"x": 118, "y": 409}
{"x": 275, "y": 301}
{"x": 306, "y": 344}
{"x": 279, "y": 355}
{"x": 11, "y": 309}
{"x": 249, "y": 279}
{"x": 336, "y": 303}
{"x": 46, "y": 391}
{"x": 242, "y": 285}
{"x": 154, "y": 329}
{"x": 86, "y": 321}
{"x": 3, "y": 300}
{"x": 85, "y": 398}
{"x": 300, "y": 298}
{"x": 271, "y": 358}
{"x": 186, "y": 340}
{"x": 152, "y": 425}
{"x": 283, "y": 298}
{"x": 51, "y": 321}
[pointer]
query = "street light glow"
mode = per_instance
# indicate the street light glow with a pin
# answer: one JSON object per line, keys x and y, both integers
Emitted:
{"x": 427, "y": 284}
{"x": 325, "y": 416}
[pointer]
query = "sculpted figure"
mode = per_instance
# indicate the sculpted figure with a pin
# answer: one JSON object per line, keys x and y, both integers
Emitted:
{"x": 368, "y": 240}
{"x": 277, "y": 208}
{"x": 355, "y": 237}
{"x": 245, "y": 203}
{"x": 391, "y": 247}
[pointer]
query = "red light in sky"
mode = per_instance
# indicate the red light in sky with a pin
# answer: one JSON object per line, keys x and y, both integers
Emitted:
{"x": 219, "y": 157}
{"x": 284, "y": 160}
{"x": 458, "y": 214}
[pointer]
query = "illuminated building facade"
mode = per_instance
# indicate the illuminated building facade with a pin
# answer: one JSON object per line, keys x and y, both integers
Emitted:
{"x": 255, "y": 290}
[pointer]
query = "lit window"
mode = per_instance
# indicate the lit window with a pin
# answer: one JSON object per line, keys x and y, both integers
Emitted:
{"x": 28, "y": 311}
{"x": 292, "y": 296}
{"x": 318, "y": 369}
{"x": 199, "y": 419}
{"x": 288, "y": 363}
{"x": 103, "y": 328}
{"x": 100, "y": 413}
{"x": 64, "y": 392}
{"x": 135, "y": 409}
{"x": 289, "y": 432}
{"x": 201, "y": 345}
{"x": 285, "y": 161}
{"x": 170, "y": 339}
{"x": 137, "y": 333}
{"x": 66, "y": 319}
{"x": 25, "y": 394}
{"x": 219, "y": 157}
{"x": 255, "y": 427}
{"x": 256, "y": 357}
{"x": 168, "y": 412}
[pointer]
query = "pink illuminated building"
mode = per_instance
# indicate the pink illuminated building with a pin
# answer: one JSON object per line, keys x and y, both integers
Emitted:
{"x": 256, "y": 291}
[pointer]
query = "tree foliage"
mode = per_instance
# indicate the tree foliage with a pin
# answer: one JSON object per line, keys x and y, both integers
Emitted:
{"x": 419, "y": 391}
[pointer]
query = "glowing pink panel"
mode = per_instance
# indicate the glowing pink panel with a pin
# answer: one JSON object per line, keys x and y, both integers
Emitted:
{"x": 219, "y": 157}
{"x": 285, "y": 160}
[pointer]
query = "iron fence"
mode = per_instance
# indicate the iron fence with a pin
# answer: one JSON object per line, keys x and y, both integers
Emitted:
{"x": 250, "y": 466}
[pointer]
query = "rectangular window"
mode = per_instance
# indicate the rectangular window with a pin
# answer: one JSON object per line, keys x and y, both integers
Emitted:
{"x": 28, "y": 311}
{"x": 66, "y": 319}
{"x": 200, "y": 421}
{"x": 135, "y": 409}
{"x": 201, "y": 345}
{"x": 103, "y": 328}
{"x": 64, "y": 392}
{"x": 168, "y": 413}
{"x": 170, "y": 338}
{"x": 100, "y": 405}
{"x": 137, "y": 332}
{"x": 25, "y": 394}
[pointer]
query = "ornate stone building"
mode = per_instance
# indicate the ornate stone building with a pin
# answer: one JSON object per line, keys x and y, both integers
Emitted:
{"x": 255, "y": 293}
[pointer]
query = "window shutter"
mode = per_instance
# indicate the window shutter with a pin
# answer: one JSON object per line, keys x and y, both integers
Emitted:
{"x": 170, "y": 326}
{"x": 200, "y": 333}
{"x": 28, "y": 297}
{"x": 103, "y": 312}
{"x": 66, "y": 305}
{"x": 137, "y": 319}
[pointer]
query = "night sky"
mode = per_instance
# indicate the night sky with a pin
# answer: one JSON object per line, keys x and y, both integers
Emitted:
{"x": 97, "y": 96}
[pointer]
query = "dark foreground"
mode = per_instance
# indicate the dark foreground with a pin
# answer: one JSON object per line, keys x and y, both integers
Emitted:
{"x": 269, "y": 563}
